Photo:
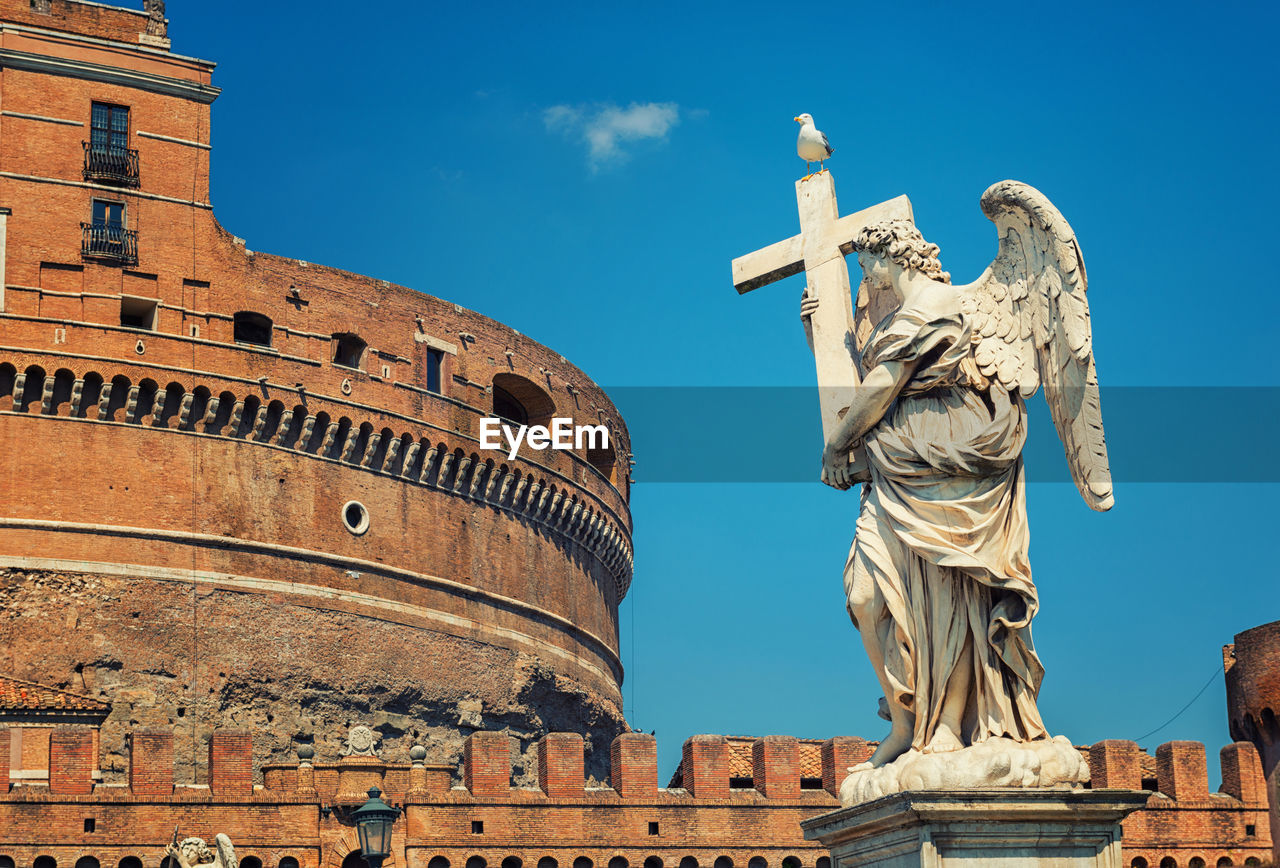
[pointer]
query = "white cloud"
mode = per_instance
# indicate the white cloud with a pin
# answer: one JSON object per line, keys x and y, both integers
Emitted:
{"x": 606, "y": 129}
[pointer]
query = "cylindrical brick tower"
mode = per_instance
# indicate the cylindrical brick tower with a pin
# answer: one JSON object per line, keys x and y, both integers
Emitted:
{"x": 243, "y": 490}
{"x": 1252, "y": 667}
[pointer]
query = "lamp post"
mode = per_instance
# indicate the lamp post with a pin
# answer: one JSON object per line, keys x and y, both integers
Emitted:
{"x": 373, "y": 822}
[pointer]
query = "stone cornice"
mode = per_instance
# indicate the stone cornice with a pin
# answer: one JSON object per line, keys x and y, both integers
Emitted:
{"x": 89, "y": 71}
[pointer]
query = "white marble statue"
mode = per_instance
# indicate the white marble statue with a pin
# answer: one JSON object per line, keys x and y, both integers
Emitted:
{"x": 195, "y": 853}
{"x": 938, "y": 581}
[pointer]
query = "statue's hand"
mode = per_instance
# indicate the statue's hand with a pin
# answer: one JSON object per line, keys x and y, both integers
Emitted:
{"x": 835, "y": 469}
{"x": 808, "y": 304}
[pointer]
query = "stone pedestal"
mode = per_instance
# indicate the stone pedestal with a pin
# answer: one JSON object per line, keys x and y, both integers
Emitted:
{"x": 1005, "y": 828}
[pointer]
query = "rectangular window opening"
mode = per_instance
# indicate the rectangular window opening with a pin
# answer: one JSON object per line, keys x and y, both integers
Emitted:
{"x": 138, "y": 313}
{"x": 477, "y": 827}
{"x": 106, "y": 213}
{"x": 435, "y": 367}
{"x": 653, "y": 828}
{"x": 1250, "y": 831}
{"x": 109, "y": 127}
{"x": 90, "y": 824}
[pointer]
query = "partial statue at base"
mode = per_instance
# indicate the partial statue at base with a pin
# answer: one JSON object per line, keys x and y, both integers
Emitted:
{"x": 195, "y": 853}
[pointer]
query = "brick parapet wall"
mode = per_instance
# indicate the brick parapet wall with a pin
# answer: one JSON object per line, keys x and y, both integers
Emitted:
{"x": 72, "y": 760}
{"x": 151, "y": 762}
{"x": 231, "y": 764}
{"x": 97, "y": 20}
{"x": 637, "y": 819}
{"x": 5, "y": 741}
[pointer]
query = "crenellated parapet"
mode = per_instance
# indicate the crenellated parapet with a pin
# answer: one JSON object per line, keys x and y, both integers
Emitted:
{"x": 1183, "y": 819}
{"x": 741, "y": 800}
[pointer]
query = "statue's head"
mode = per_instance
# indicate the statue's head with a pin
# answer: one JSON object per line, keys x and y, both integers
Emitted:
{"x": 900, "y": 242}
{"x": 195, "y": 851}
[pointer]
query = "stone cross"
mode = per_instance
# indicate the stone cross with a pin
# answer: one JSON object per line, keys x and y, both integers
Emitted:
{"x": 819, "y": 250}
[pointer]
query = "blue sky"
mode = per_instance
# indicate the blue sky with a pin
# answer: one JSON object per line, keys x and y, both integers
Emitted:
{"x": 586, "y": 172}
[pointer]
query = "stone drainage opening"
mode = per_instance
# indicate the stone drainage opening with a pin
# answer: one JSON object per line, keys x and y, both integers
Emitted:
{"x": 355, "y": 517}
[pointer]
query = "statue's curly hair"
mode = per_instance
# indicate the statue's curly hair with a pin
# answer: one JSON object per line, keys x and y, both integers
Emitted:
{"x": 901, "y": 241}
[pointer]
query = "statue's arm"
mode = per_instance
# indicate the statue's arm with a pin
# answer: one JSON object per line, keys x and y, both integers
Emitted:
{"x": 871, "y": 401}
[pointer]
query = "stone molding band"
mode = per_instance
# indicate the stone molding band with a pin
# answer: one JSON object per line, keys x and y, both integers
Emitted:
{"x": 47, "y": 120}
{"x": 116, "y": 191}
{"x": 444, "y": 466}
{"x": 89, "y": 71}
{"x": 174, "y": 140}
{"x": 462, "y": 625}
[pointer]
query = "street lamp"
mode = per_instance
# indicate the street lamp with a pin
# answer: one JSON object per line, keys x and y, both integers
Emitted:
{"x": 373, "y": 822}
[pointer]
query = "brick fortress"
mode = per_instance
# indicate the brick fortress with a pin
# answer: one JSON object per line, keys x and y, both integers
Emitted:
{"x": 243, "y": 509}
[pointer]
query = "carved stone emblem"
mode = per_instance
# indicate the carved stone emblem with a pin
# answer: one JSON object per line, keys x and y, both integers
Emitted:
{"x": 361, "y": 741}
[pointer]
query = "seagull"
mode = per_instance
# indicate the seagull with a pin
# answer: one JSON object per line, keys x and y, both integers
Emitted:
{"x": 812, "y": 146}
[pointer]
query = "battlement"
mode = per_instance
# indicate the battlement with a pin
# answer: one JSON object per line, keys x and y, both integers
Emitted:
{"x": 1181, "y": 773}
{"x": 742, "y": 800}
{"x": 711, "y": 769}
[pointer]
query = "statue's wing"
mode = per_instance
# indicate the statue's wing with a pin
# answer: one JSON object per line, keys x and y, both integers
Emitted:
{"x": 1030, "y": 322}
{"x": 226, "y": 853}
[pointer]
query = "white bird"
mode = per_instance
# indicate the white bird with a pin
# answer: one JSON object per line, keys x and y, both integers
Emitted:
{"x": 812, "y": 146}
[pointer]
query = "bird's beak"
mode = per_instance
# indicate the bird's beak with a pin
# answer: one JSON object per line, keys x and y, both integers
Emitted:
{"x": 796, "y": 119}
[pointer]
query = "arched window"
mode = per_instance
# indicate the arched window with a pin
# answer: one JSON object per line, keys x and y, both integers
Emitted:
{"x": 1196, "y": 862}
{"x": 473, "y": 862}
{"x": 252, "y": 862}
{"x": 1168, "y": 862}
{"x": 583, "y": 862}
{"x": 824, "y": 862}
{"x": 1252, "y": 860}
{"x": 348, "y": 350}
{"x": 290, "y": 862}
{"x": 32, "y": 392}
{"x": 618, "y": 862}
{"x": 521, "y": 401}
{"x": 1138, "y": 862}
{"x": 87, "y": 862}
{"x": 548, "y": 862}
{"x": 168, "y": 405}
{"x": 653, "y": 862}
{"x": 688, "y": 862}
{"x": 438, "y": 862}
{"x": 1225, "y": 862}
{"x": 45, "y": 862}
{"x": 354, "y": 859}
{"x": 791, "y": 862}
{"x": 757, "y": 862}
{"x": 512, "y": 862}
{"x": 63, "y": 382}
{"x": 723, "y": 862}
{"x": 6, "y": 861}
{"x": 600, "y": 454}
{"x": 251, "y": 328}
{"x": 8, "y": 373}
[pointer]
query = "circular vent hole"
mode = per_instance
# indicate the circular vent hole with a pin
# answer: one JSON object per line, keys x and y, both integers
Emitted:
{"x": 355, "y": 517}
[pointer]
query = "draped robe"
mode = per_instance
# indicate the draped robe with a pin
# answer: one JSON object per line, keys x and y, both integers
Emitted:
{"x": 941, "y": 543}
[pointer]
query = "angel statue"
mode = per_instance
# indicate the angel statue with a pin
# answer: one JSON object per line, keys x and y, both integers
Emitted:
{"x": 195, "y": 853}
{"x": 938, "y": 582}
